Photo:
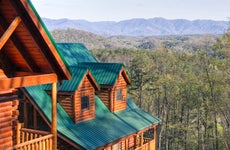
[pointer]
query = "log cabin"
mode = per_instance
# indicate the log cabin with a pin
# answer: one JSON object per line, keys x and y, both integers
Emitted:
{"x": 113, "y": 79}
{"x": 77, "y": 95}
{"x": 113, "y": 122}
{"x": 28, "y": 57}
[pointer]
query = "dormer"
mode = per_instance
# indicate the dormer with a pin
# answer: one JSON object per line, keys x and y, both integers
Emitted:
{"x": 113, "y": 80}
{"x": 76, "y": 96}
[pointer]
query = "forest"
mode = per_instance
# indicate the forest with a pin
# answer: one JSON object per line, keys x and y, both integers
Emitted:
{"x": 188, "y": 91}
{"x": 183, "y": 80}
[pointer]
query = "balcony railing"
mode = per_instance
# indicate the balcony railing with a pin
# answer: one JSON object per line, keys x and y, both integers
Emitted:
{"x": 28, "y": 139}
{"x": 149, "y": 144}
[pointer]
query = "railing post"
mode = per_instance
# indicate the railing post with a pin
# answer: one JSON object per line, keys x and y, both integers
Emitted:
{"x": 126, "y": 144}
{"x": 19, "y": 126}
{"x": 142, "y": 138}
{"x": 136, "y": 141}
{"x": 54, "y": 115}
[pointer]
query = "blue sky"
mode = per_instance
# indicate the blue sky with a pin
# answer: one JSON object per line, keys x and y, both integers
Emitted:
{"x": 116, "y": 10}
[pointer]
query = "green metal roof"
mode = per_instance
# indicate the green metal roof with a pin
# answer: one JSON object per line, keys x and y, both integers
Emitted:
{"x": 105, "y": 73}
{"x": 135, "y": 117}
{"x": 74, "y": 53}
{"x": 105, "y": 128}
{"x": 78, "y": 72}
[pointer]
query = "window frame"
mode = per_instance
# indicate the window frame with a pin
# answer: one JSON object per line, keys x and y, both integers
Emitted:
{"x": 119, "y": 94}
{"x": 85, "y": 102}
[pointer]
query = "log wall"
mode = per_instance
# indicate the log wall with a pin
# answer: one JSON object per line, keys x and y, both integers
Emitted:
{"x": 108, "y": 96}
{"x": 85, "y": 89}
{"x": 104, "y": 95}
{"x": 8, "y": 120}
{"x": 121, "y": 104}
{"x": 2, "y": 74}
{"x": 67, "y": 104}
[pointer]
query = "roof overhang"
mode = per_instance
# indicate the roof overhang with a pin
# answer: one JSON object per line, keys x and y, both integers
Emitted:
{"x": 26, "y": 48}
{"x": 125, "y": 75}
{"x": 93, "y": 81}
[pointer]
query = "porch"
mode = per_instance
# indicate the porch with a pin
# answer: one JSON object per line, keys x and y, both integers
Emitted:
{"x": 143, "y": 140}
{"x": 149, "y": 144}
{"x": 30, "y": 139}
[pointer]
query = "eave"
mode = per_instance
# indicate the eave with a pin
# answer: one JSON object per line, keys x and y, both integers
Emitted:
{"x": 25, "y": 43}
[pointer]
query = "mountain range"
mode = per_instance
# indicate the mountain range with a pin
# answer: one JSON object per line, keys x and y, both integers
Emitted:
{"x": 141, "y": 27}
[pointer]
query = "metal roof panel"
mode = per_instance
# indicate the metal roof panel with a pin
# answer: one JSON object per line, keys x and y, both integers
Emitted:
{"x": 107, "y": 127}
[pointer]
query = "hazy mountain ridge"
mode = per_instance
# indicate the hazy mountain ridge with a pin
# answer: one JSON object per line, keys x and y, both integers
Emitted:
{"x": 142, "y": 27}
{"x": 189, "y": 43}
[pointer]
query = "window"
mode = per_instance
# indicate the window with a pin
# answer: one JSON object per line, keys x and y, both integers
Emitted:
{"x": 119, "y": 94}
{"x": 85, "y": 102}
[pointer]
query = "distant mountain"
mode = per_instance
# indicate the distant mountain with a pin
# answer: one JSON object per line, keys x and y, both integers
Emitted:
{"x": 142, "y": 27}
{"x": 90, "y": 40}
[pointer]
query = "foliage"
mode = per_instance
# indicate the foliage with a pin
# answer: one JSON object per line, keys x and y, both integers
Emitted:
{"x": 189, "y": 92}
{"x": 183, "y": 80}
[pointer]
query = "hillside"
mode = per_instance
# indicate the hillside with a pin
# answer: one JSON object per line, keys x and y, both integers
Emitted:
{"x": 189, "y": 43}
{"x": 188, "y": 91}
{"x": 142, "y": 27}
{"x": 91, "y": 40}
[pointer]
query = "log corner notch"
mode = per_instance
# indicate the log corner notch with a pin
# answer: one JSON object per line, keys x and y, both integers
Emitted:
{"x": 9, "y": 31}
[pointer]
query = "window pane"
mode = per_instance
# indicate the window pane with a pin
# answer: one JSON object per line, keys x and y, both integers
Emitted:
{"x": 119, "y": 95}
{"x": 84, "y": 102}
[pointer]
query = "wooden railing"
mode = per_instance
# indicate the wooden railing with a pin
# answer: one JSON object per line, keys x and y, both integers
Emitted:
{"x": 28, "y": 139}
{"x": 149, "y": 145}
{"x": 42, "y": 143}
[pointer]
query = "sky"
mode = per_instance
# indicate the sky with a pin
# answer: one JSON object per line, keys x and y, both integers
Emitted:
{"x": 117, "y": 10}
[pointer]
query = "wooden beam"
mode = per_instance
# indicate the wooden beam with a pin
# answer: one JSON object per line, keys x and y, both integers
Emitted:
{"x": 9, "y": 31}
{"x": 10, "y": 83}
{"x": 54, "y": 115}
{"x": 6, "y": 91}
{"x": 19, "y": 74}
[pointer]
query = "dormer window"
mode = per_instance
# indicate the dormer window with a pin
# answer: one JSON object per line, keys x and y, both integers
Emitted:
{"x": 85, "y": 102}
{"x": 119, "y": 94}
